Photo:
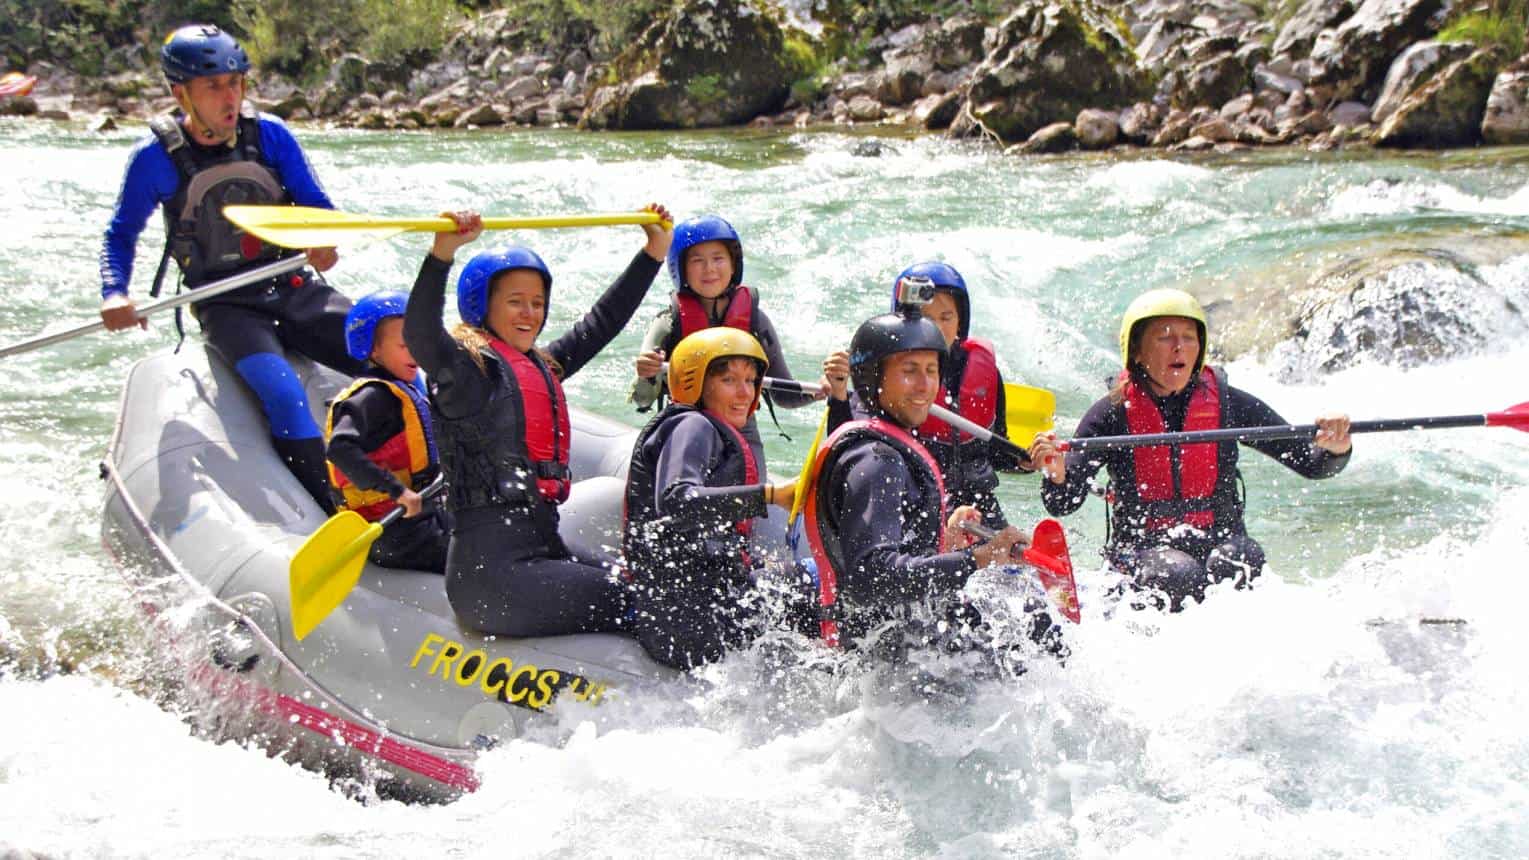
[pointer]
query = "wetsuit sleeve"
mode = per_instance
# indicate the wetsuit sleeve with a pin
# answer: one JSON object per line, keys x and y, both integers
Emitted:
{"x": 646, "y": 391}
{"x": 869, "y": 483}
{"x": 610, "y": 314}
{"x": 282, "y": 151}
{"x": 1299, "y": 455}
{"x": 765, "y": 330}
{"x": 691, "y": 451}
{"x": 150, "y": 179}
{"x": 461, "y": 387}
{"x": 1002, "y": 458}
{"x": 1102, "y": 419}
{"x": 362, "y": 423}
{"x": 839, "y": 413}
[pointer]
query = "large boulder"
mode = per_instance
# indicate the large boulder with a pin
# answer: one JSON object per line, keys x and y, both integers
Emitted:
{"x": 1412, "y": 68}
{"x": 1448, "y": 109}
{"x": 1354, "y": 57}
{"x": 1213, "y": 81}
{"x": 1296, "y": 38}
{"x": 1507, "y": 113}
{"x": 707, "y": 63}
{"x": 1049, "y": 60}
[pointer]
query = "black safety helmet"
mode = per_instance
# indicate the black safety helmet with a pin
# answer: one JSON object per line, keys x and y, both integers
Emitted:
{"x": 881, "y": 336}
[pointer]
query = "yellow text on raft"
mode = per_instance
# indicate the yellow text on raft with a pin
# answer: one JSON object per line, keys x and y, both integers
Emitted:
{"x": 525, "y": 685}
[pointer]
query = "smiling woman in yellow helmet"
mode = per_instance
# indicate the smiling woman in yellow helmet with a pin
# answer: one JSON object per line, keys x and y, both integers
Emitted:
{"x": 1175, "y": 515}
{"x": 693, "y": 491}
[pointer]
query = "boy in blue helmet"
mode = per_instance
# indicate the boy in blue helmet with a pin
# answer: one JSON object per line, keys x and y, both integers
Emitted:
{"x": 706, "y": 265}
{"x": 381, "y": 439}
{"x": 217, "y": 150}
{"x": 971, "y": 385}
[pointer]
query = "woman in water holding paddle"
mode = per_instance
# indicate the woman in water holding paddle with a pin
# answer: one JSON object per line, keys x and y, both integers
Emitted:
{"x": 1175, "y": 512}
{"x": 503, "y": 430}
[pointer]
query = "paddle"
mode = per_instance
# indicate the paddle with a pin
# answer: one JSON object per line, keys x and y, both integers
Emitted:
{"x": 804, "y": 478}
{"x": 328, "y": 564}
{"x": 1027, "y": 409}
{"x": 1516, "y": 417}
{"x": 207, "y": 291}
{"x": 310, "y": 227}
{"x": 1047, "y": 552}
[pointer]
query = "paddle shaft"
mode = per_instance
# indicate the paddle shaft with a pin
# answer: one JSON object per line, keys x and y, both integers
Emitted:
{"x": 1278, "y": 431}
{"x": 216, "y": 288}
{"x": 434, "y": 487}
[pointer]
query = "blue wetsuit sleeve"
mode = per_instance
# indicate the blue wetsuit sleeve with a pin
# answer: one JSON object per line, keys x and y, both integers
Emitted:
{"x": 150, "y": 179}
{"x": 284, "y": 154}
{"x": 688, "y": 454}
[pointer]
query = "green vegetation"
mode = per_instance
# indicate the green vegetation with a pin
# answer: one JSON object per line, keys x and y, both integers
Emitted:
{"x": 614, "y": 24}
{"x": 1500, "y": 24}
{"x": 78, "y": 34}
{"x": 850, "y": 25}
{"x": 705, "y": 89}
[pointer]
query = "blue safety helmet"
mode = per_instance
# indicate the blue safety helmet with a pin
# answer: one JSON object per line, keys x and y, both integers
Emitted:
{"x": 478, "y": 276}
{"x": 200, "y": 50}
{"x": 692, "y": 232}
{"x": 945, "y": 277}
{"x": 365, "y": 314}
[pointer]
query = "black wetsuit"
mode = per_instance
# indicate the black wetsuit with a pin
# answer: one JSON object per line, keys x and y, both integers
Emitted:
{"x": 686, "y": 492}
{"x": 507, "y": 570}
{"x": 362, "y": 422}
{"x": 970, "y": 469}
{"x": 1163, "y": 559}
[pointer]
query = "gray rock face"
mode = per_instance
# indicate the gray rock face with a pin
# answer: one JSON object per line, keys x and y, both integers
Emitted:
{"x": 1298, "y": 35}
{"x": 1048, "y": 61}
{"x": 1097, "y": 129}
{"x": 1214, "y": 81}
{"x": 1412, "y": 67}
{"x": 1507, "y": 112}
{"x": 1354, "y": 57}
{"x": 1447, "y": 110}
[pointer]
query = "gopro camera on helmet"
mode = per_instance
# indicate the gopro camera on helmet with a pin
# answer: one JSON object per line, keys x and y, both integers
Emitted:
{"x": 913, "y": 292}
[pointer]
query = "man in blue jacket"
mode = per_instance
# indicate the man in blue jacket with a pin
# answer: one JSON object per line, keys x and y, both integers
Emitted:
{"x": 215, "y": 151}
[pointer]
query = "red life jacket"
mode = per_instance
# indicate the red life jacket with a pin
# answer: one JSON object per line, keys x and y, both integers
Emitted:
{"x": 547, "y": 430}
{"x": 744, "y": 526}
{"x": 977, "y": 400}
{"x": 812, "y": 520}
{"x": 407, "y": 455}
{"x": 1198, "y": 466}
{"x": 691, "y": 315}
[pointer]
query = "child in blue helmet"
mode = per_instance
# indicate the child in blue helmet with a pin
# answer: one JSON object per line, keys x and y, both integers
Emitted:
{"x": 706, "y": 264}
{"x": 381, "y": 440}
{"x": 972, "y": 386}
{"x": 502, "y": 423}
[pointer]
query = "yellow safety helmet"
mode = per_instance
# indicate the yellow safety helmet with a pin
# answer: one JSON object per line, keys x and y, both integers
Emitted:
{"x": 1166, "y": 302}
{"x": 687, "y": 366}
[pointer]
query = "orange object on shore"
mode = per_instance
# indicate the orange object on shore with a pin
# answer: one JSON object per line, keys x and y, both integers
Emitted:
{"x": 16, "y": 84}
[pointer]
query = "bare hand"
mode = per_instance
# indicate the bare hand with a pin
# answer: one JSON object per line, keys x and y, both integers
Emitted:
{"x": 469, "y": 227}
{"x": 322, "y": 259}
{"x": 783, "y": 495}
{"x": 1044, "y": 454}
{"x": 118, "y": 313}
{"x": 412, "y": 503}
{"x": 999, "y": 550}
{"x": 955, "y": 536}
{"x": 660, "y": 234}
{"x": 836, "y": 374}
{"x": 650, "y": 363}
{"x": 1332, "y": 434}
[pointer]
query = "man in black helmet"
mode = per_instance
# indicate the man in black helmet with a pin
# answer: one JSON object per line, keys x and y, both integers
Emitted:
{"x": 874, "y": 511}
{"x": 214, "y": 151}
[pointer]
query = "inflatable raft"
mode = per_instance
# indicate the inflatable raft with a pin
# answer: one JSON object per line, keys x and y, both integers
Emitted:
{"x": 204, "y": 519}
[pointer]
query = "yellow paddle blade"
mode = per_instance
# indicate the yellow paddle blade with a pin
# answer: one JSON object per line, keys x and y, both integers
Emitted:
{"x": 804, "y": 478}
{"x": 327, "y": 566}
{"x": 311, "y": 227}
{"x": 1029, "y": 411}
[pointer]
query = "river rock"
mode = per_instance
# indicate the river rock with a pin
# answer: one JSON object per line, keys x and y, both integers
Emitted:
{"x": 522, "y": 88}
{"x": 484, "y": 114}
{"x": 1412, "y": 67}
{"x": 1057, "y": 137}
{"x": 1048, "y": 60}
{"x": 904, "y": 75}
{"x": 347, "y": 76}
{"x": 865, "y": 109}
{"x": 1298, "y": 35}
{"x": 1213, "y": 81}
{"x": 707, "y": 63}
{"x": 1507, "y": 112}
{"x": 1139, "y": 122}
{"x": 937, "y": 112}
{"x": 1447, "y": 110}
{"x": 957, "y": 43}
{"x": 1349, "y": 115}
{"x": 1355, "y": 56}
{"x": 1265, "y": 79}
{"x": 1097, "y": 129}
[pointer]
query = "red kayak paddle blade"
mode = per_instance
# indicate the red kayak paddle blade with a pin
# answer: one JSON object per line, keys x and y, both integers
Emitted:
{"x": 1049, "y": 555}
{"x": 1516, "y": 417}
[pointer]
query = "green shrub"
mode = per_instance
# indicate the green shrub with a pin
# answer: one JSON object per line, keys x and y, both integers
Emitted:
{"x": 1501, "y": 25}
{"x": 407, "y": 30}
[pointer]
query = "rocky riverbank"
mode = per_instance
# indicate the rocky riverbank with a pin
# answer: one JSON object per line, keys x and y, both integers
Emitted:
{"x": 1047, "y": 76}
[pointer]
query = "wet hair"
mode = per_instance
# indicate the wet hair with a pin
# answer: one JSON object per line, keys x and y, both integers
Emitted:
{"x": 475, "y": 341}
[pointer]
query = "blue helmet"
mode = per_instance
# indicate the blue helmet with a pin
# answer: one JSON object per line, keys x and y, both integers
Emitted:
{"x": 945, "y": 277}
{"x": 692, "y": 232}
{"x": 478, "y": 277}
{"x": 199, "y": 50}
{"x": 365, "y": 314}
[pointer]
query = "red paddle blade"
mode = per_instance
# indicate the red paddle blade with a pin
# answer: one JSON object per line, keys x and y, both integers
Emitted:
{"x": 1516, "y": 417}
{"x": 1048, "y": 554}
